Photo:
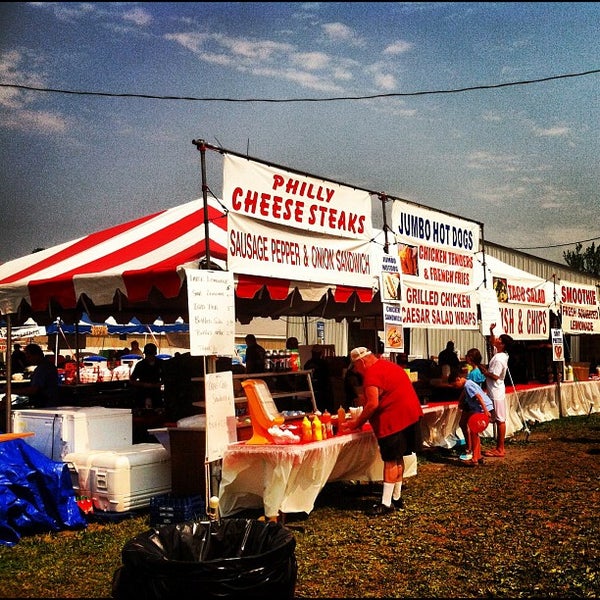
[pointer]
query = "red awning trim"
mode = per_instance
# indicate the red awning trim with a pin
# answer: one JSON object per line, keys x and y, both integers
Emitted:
{"x": 279, "y": 289}
{"x": 249, "y": 285}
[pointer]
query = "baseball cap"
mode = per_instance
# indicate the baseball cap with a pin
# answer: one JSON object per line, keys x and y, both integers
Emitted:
{"x": 359, "y": 353}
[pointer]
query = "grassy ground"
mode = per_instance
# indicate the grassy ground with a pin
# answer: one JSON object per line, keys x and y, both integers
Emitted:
{"x": 523, "y": 526}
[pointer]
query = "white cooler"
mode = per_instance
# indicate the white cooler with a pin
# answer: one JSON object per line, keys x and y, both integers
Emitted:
{"x": 64, "y": 429}
{"x": 123, "y": 479}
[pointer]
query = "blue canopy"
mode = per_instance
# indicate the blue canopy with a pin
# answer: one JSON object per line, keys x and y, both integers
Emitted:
{"x": 135, "y": 326}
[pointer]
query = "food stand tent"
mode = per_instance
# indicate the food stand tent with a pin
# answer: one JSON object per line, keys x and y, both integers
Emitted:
{"x": 138, "y": 269}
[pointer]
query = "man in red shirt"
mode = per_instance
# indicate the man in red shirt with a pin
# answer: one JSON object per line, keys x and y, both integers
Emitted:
{"x": 392, "y": 407}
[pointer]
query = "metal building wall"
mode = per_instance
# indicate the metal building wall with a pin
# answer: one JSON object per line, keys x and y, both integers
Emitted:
{"x": 305, "y": 329}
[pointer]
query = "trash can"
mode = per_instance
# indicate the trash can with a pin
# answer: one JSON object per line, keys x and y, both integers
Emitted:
{"x": 231, "y": 558}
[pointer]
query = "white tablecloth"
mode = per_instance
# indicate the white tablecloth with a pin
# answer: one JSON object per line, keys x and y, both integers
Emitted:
{"x": 549, "y": 402}
{"x": 439, "y": 426}
{"x": 539, "y": 404}
{"x": 288, "y": 478}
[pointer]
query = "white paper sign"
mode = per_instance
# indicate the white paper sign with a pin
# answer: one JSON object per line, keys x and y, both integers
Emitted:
{"x": 557, "y": 345}
{"x": 221, "y": 427}
{"x": 212, "y": 312}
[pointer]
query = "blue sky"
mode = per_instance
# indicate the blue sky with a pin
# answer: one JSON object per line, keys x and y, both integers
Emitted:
{"x": 522, "y": 159}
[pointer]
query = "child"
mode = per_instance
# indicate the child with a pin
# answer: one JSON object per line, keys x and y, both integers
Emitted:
{"x": 473, "y": 400}
{"x": 473, "y": 359}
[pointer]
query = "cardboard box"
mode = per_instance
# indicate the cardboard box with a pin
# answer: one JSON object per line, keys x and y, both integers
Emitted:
{"x": 188, "y": 449}
{"x": 123, "y": 479}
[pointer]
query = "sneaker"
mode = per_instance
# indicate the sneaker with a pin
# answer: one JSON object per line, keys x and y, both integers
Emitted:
{"x": 399, "y": 504}
{"x": 379, "y": 510}
{"x": 466, "y": 456}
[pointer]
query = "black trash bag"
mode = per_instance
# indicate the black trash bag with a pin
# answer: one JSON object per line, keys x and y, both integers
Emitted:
{"x": 233, "y": 558}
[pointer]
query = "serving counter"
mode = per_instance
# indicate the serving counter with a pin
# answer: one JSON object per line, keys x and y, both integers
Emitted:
{"x": 532, "y": 403}
{"x": 288, "y": 478}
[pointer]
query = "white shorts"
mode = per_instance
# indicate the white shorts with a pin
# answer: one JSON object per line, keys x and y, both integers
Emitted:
{"x": 500, "y": 408}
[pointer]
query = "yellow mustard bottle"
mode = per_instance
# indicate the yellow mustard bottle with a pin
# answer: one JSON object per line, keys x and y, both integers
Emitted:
{"x": 306, "y": 430}
{"x": 317, "y": 429}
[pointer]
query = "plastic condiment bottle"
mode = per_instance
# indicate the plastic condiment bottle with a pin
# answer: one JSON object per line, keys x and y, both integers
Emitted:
{"x": 306, "y": 430}
{"x": 327, "y": 426}
{"x": 341, "y": 419}
{"x": 317, "y": 429}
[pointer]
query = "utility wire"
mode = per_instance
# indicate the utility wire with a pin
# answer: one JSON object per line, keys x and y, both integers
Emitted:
{"x": 282, "y": 100}
{"x": 335, "y": 98}
{"x": 556, "y": 245}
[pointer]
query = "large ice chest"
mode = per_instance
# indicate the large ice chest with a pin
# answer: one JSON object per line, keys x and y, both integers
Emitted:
{"x": 64, "y": 429}
{"x": 123, "y": 479}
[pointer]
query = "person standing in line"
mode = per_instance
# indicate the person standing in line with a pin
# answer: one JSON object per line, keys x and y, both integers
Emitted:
{"x": 18, "y": 360}
{"x": 448, "y": 357}
{"x": 255, "y": 355}
{"x": 474, "y": 401}
{"x": 135, "y": 348}
{"x": 147, "y": 379}
{"x": 494, "y": 374}
{"x": 473, "y": 359}
{"x": 391, "y": 405}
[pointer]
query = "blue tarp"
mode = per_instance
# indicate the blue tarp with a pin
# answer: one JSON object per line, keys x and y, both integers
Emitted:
{"x": 36, "y": 494}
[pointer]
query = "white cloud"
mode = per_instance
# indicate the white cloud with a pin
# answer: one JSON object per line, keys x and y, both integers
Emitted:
{"x": 311, "y": 60}
{"x": 488, "y": 160}
{"x": 553, "y": 132}
{"x": 190, "y": 41}
{"x": 40, "y": 121}
{"x": 385, "y": 81}
{"x": 398, "y": 47}
{"x": 314, "y": 70}
{"x": 138, "y": 16}
{"x": 338, "y": 32}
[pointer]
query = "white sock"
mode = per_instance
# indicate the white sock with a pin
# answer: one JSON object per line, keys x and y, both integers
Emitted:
{"x": 388, "y": 488}
{"x": 397, "y": 490}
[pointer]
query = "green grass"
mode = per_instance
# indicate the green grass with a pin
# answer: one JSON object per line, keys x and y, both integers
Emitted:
{"x": 523, "y": 526}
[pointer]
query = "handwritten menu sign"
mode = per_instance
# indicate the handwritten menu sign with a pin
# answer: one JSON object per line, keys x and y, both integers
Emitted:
{"x": 221, "y": 427}
{"x": 212, "y": 312}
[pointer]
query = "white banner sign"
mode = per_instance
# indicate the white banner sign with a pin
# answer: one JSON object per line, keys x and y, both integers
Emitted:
{"x": 580, "y": 308}
{"x": 525, "y": 322}
{"x": 257, "y": 248}
{"x": 490, "y": 312}
{"x": 23, "y": 331}
{"x": 423, "y": 306}
{"x": 522, "y": 303}
{"x": 212, "y": 312}
{"x": 282, "y": 224}
{"x": 436, "y": 253}
{"x": 433, "y": 247}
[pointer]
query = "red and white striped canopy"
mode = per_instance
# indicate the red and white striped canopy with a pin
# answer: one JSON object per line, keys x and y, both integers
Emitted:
{"x": 139, "y": 267}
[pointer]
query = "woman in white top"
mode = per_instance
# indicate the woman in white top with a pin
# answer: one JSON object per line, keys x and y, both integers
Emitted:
{"x": 495, "y": 373}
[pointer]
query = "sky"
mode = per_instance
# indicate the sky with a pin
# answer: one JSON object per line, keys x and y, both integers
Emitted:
{"x": 152, "y": 77}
